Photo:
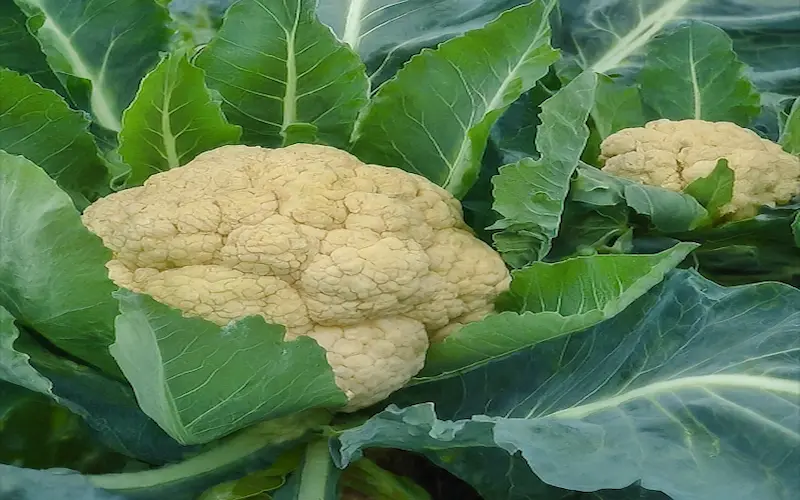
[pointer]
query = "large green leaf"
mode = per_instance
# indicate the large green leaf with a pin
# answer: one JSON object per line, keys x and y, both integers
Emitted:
{"x": 282, "y": 73}
{"x": 108, "y": 406}
{"x": 694, "y": 390}
{"x": 433, "y": 118}
{"x": 790, "y": 135}
{"x": 52, "y": 269}
{"x": 385, "y": 33}
{"x": 616, "y": 106}
{"x": 20, "y": 51}
{"x": 693, "y": 72}
{"x": 37, "y": 123}
{"x": 172, "y": 119}
{"x": 715, "y": 190}
{"x": 796, "y": 229}
{"x": 612, "y": 36}
{"x": 530, "y": 194}
{"x": 548, "y": 300}
{"x": 199, "y": 381}
{"x": 668, "y": 211}
{"x": 109, "y": 44}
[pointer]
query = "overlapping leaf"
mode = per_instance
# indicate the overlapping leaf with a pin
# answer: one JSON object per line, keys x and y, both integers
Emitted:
{"x": 20, "y": 51}
{"x": 38, "y": 124}
{"x": 790, "y": 135}
{"x": 52, "y": 269}
{"x": 200, "y": 382}
{"x": 282, "y": 74}
{"x": 530, "y": 194}
{"x": 433, "y": 118}
{"x": 551, "y": 300}
{"x": 693, "y": 72}
{"x": 693, "y": 390}
{"x": 100, "y": 49}
{"x": 172, "y": 120}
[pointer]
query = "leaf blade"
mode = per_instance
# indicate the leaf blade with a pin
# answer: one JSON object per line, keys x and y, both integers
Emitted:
{"x": 404, "y": 126}
{"x": 693, "y": 73}
{"x": 530, "y": 194}
{"x": 276, "y": 66}
{"x": 236, "y": 374}
{"x": 38, "y": 124}
{"x": 172, "y": 119}
{"x": 100, "y": 49}
{"x": 549, "y": 300}
{"x": 37, "y": 279}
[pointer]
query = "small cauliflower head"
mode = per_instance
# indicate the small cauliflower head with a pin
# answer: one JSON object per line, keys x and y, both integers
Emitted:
{"x": 672, "y": 154}
{"x": 372, "y": 262}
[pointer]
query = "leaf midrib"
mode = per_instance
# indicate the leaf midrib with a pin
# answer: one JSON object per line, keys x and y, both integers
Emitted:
{"x": 736, "y": 381}
{"x": 101, "y": 103}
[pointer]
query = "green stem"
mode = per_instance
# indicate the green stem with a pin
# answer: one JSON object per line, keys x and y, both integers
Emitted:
{"x": 316, "y": 472}
{"x": 227, "y": 453}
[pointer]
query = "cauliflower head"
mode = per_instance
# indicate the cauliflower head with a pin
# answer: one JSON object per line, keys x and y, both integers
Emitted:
{"x": 372, "y": 262}
{"x": 672, "y": 154}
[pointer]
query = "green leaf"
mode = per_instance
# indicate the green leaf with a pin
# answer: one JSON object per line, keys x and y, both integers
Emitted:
{"x": 108, "y": 406}
{"x": 548, "y": 300}
{"x": 433, "y": 118}
{"x": 616, "y": 107}
{"x": 172, "y": 119}
{"x": 199, "y": 381}
{"x": 385, "y": 34}
{"x": 790, "y": 135}
{"x": 317, "y": 477}
{"x": 715, "y": 190}
{"x": 277, "y": 66}
{"x": 20, "y": 50}
{"x": 52, "y": 269}
{"x": 38, "y": 124}
{"x": 692, "y": 390}
{"x": 668, "y": 211}
{"x": 530, "y": 194}
{"x": 100, "y": 49}
{"x": 693, "y": 73}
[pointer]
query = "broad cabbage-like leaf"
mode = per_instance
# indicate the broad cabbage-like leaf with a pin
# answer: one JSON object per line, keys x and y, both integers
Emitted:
{"x": 283, "y": 76}
{"x": 530, "y": 194}
{"x": 172, "y": 119}
{"x": 21, "y": 51}
{"x": 693, "y": 73}
{"x": 100, "y": 49}
{"x": 612, "y": 36}
{"x": 433, "y": 118}
{"x": 108, "y": 406}
{"x": 693, "y": 390}
{"x": 616, "y": 106}
{"x": 548, "y": 300}
{"x": 38, "y": 124}
{"x": 715, "y": 190}
{"x": 385, "y": 33}
{"x": 199, "y": 381}
{"x": 52, "y": 269}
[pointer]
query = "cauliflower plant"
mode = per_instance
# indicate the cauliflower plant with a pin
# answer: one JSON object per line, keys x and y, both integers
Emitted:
{"x": 372, "y": 262}
{"x": 672, "y": 154}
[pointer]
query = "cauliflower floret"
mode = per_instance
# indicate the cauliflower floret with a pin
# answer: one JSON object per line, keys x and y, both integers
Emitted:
{"x": 372, "y": 262}
{"x": 672, "y": 154}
